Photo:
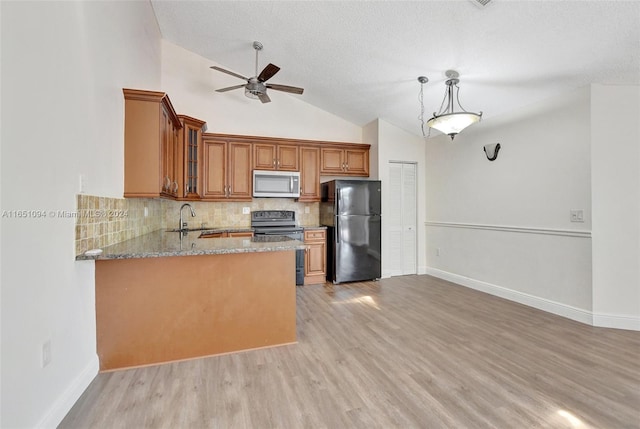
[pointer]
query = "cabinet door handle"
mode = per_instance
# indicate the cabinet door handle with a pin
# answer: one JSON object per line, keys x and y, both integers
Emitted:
{"x": 274, "y": 162}
{"x": 229, "y": 189}
{"x": 175, "y": 187}
{"x": 167, "y": 183}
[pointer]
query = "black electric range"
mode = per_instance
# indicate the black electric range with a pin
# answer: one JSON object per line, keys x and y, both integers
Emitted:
{"x": 280, "y": 223}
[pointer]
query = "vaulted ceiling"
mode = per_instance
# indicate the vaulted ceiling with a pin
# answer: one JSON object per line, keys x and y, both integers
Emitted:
{"x": 360, "y": 59}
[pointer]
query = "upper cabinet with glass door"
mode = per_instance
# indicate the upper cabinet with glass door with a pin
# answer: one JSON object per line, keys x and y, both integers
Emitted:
{"x": 190, "y": 156}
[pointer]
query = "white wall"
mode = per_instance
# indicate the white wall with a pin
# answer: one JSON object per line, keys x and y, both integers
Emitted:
{"x": 504, "y": 226}
{"x": 542, "y": 170}
{"x": 370, "y": 136}
{"x": 615, "y": 159}
{"x": 395, "y": 144}
{"x": 64, "y": 65}
{"x": 191, "y": 85}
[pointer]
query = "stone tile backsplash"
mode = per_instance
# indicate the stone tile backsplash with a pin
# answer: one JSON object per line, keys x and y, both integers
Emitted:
{"x": 103, "y": 221}
{"x": 214, "y": 215}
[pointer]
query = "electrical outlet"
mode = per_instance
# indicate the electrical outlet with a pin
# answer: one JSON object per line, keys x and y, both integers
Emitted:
{"x": 437, "y": 251}
{"x": 576, "y": 215}
{"x": 46, "y": 353}
{"x": 146, "y": 211}
{"x": 246, "y": 210}
{"x": 306, "y": 209}
{"x": 82, "y": 183}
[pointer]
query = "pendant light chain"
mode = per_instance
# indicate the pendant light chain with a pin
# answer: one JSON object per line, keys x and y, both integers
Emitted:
{"x": 422, "y": 81}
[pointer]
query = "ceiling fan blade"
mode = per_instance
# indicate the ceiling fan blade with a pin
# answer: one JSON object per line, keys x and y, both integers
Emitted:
{"x": 229, "y": 88}
{"x": 229, "y": 72}
{"x": 286, "y": 88}
{"x": 264, "y": 98}
{"x": 268, "y": 72}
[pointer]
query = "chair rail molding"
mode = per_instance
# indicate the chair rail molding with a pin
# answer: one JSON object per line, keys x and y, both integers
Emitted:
{"x": 516, "y": 229}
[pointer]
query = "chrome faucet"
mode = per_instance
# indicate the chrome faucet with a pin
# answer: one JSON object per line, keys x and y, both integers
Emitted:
{"x": 183, "y": 225}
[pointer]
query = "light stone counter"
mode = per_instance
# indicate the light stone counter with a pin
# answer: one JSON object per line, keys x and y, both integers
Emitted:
{"x": 168, "y": 243}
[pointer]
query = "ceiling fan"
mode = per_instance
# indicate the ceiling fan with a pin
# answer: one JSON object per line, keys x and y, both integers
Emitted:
{"x": 256, "y": 87}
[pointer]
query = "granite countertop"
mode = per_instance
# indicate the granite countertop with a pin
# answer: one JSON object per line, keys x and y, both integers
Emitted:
{"x": 164, "y": 243}
{"x": 224, "y": 229}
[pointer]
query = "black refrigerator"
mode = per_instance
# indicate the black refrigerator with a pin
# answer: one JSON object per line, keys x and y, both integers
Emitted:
{"x": 350, "y": 209}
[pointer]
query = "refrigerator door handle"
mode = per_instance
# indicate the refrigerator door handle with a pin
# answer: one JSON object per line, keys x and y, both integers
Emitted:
{"x": 337, "y": 229}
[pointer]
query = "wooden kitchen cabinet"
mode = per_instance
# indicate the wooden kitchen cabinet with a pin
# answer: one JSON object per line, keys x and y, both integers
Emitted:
{"x": 315, "y": 258}
{"x": 213, "y": 235}
{"x": 309, "y": 174}
{"x": 240, "y": 234}
{"x": 226, "y": 170}
{"x": 156, "y": 310}
{"x": 151, "y": 149}
{"x": 189, "y": 158}
{"x": 271, "y": 156}
{"x": 344, "y": 161}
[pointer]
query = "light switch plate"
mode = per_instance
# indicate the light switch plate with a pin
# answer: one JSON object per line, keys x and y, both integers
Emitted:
{"x": 246, "y": 210}
{"x": 576, "y": 215}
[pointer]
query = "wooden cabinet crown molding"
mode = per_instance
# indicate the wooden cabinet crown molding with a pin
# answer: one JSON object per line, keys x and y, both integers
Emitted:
{"x": 284, "y": 140}
{"x": 156, "y": 97}
{"x": 196, "y": 122}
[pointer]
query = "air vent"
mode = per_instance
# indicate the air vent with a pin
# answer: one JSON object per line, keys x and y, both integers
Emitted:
{"x": 481, "y": 2}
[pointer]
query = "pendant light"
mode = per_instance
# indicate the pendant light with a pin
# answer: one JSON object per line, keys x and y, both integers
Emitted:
{"x": 447, "y": 120}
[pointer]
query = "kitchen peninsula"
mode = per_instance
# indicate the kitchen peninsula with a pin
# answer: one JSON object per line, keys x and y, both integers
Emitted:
{"x": 168, "y": 296}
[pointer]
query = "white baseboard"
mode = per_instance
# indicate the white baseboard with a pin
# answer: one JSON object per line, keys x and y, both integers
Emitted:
{"x": 614, "y": 321}
{"x": 65, "y": 402}
{"x": 543, "y": 304}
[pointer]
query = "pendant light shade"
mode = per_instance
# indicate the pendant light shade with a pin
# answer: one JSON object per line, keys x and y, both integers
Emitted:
{"x": 447, "y": 120}
{"x": 452, "y": 123}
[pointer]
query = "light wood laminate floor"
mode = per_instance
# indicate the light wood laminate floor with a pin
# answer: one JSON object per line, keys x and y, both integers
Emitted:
{"x": 405, "y": 352}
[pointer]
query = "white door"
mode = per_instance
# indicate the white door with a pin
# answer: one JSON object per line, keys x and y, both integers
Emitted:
{"x": 402, "y": 219}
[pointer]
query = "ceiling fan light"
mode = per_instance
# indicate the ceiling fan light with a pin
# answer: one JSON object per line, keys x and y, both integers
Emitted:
{"x": 250, "y": 94}
{"x": 452, "y": 123}
{"x": 254, "y": 89}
